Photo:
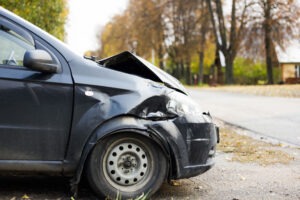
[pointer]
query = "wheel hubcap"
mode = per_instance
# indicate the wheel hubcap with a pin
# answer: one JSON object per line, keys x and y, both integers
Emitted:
{"x": 126, "y": 164}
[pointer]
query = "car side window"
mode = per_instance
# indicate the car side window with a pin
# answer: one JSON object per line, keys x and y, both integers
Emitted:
{"x": 13, "y": 46}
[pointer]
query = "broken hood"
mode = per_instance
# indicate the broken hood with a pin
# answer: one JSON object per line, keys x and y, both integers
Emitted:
{"x": 129, "y": 63}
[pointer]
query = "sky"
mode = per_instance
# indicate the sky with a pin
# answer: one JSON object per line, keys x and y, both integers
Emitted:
{"x": 86, "y": 17}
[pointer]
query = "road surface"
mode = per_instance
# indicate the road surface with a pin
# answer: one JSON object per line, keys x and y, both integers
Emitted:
{"x": 226, "y": 180}
{"x": 275, "y": 117}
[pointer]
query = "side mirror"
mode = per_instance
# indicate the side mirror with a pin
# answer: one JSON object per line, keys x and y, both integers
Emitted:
{"x": 40, "y": 60}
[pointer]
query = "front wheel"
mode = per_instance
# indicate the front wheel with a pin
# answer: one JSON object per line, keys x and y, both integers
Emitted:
{"x": 127, "y": 165}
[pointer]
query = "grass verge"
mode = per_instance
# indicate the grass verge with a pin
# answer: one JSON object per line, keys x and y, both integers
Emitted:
{"x": 246, "y": 149}
{"x": 291, "y": 91}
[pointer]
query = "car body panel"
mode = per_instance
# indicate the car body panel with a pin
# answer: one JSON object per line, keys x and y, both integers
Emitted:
{"x": 112, "y": 94}
{"x": 36, "y": 112}
{"x": 34, "y": 118}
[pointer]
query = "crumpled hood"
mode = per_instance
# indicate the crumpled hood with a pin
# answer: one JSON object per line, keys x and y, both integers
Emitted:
{"x": 129, "y": 63}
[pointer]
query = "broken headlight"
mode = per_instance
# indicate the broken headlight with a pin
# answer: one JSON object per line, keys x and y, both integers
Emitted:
{"x": 180, "y": 104}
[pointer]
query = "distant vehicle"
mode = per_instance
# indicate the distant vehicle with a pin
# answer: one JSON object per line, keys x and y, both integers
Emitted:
{"x": 121, "y": 122}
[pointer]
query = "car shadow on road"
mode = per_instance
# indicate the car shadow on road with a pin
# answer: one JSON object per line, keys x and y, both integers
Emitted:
{"x": 16, "y": 187}
{"x": 57, "y": 188}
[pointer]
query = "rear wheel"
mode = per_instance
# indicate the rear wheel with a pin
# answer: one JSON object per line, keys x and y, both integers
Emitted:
{"x": 126, "y": 164}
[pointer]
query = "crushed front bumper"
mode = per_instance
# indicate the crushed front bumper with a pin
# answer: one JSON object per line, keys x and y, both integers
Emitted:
{"x": 201, "y": 149}
{"x": 192, "y": 145}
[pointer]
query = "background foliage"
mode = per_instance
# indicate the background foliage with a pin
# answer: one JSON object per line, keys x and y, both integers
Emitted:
{"x": 185, "y": 38}
{"x": 248, "y": 72}
{"x": 48, "y": 15}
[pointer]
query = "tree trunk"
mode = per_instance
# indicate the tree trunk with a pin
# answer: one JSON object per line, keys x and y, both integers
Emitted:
{"x": 201, "y": 66}
{"x": 220, "y": 75}
{"x": 269, "y": 61}
{"x": 218, "y": 65}
{"x": 212, "y": 75}
{"x": 220, "y": 33}
{"x": 229, "y": 69}
{"x": 188, "y": 73}
{"x": 160, "y": 57}
{"x": 268, "y": 40}
{"x": 176, "y": 69}
{"x": 203, "y": 32}
{"x": 182, "y": 71}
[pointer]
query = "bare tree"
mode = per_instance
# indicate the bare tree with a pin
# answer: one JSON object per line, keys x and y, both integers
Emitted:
{"x": 169, "y": 28}
{"x": 182, "y": 34}
{"x": 227, "y": 38}
{"x": 272, "y": 23}
{"x": 148, "y": 26}
{"x": 203, "y": 30}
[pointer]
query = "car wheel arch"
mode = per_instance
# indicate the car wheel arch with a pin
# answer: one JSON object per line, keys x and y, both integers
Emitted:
{"x": 108, "y": 129}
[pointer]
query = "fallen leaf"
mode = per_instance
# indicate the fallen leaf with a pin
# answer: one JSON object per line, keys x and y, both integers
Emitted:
{"x": 242, "y": 177}
{"x": 175, "y": 183}
{"x": 198, "y": 188}
{"x": 25, "y": 196}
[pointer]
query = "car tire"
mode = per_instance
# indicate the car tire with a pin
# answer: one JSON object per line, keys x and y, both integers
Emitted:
{"x": 127, "y": 165}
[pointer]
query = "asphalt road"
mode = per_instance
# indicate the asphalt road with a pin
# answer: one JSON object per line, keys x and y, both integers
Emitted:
{"x": 274, "y": 117}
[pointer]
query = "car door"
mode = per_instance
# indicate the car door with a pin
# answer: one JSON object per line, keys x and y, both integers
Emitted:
{"x": 35, "y": 107}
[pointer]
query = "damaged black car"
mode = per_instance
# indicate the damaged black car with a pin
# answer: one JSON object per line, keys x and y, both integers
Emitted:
{"x": 121, "y": 122}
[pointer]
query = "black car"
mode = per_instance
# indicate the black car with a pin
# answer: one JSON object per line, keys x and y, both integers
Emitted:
{"x": 121, "y": 122}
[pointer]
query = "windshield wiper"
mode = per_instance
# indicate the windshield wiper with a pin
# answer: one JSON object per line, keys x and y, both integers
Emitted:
{"x": 92, "y": 58}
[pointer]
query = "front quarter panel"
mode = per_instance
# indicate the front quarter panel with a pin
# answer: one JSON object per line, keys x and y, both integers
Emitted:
{"x": 105, "y": 98}
{"x": 103, "y": 94}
